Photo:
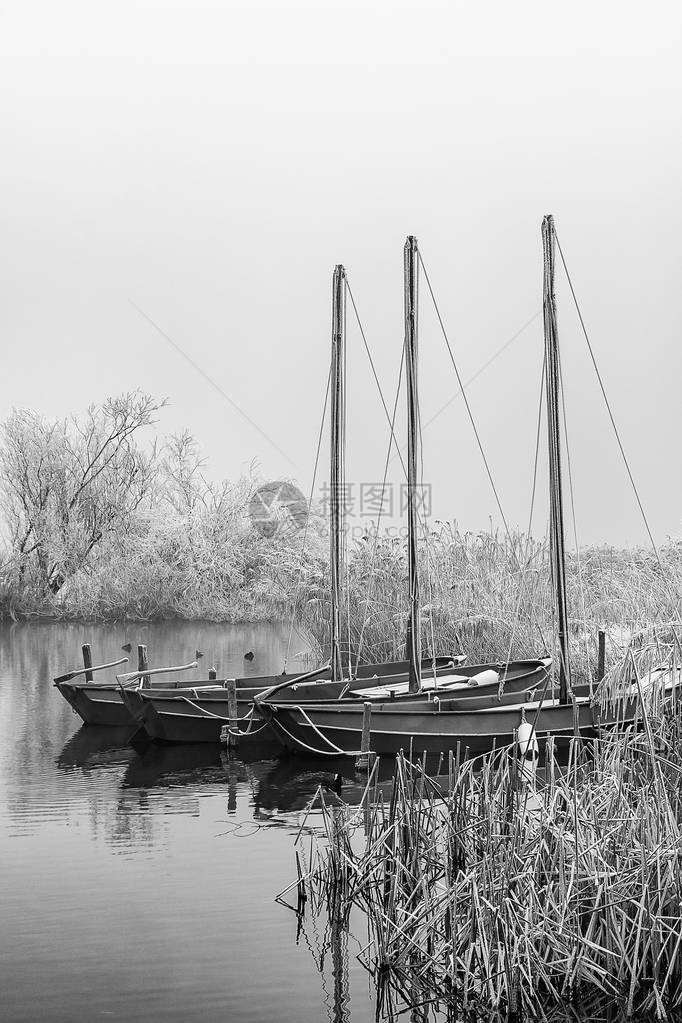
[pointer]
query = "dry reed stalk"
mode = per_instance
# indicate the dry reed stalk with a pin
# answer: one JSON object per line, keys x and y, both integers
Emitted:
{"x": 490, "y": 596}
{"x": 497, "y": 895}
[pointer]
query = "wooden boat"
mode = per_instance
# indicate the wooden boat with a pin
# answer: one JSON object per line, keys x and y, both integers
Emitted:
{"x": 468, "y": 686}
{"x": 198, "y": 713}
{"x": 101, "y": 703}
{"x": 435, "y": 722}
{"x": 97, "y": 703}
{"x": 335, "y": 728}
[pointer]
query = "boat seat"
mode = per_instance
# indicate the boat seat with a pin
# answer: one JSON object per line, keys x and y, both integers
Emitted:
{"x": 445, "y": 683}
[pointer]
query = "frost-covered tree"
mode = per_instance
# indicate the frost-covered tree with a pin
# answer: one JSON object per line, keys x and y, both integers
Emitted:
{"x": 65, "y": 484}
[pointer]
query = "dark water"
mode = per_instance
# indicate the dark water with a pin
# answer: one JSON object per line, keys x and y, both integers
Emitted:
{"x": 140, "y": 885}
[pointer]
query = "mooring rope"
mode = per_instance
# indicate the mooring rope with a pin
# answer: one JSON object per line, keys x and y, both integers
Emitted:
{"x": 218, "y": 717}
{"x": 250, "y": 730}
{"x": 230, "y": 721}
{"x": 335, "y": 751}
{"x": 349, "y": 753}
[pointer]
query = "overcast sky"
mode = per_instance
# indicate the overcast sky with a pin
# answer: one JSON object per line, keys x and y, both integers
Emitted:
{"x": 212, "y": 161}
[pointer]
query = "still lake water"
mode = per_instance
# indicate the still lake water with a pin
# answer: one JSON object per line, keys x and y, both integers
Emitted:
{"x": 140, "y": 885}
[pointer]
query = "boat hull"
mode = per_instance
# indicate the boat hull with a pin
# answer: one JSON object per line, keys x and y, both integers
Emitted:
{"x": 102, "y": 703}
{"x": 328, "y": 730}
{"x": 196, "y": 715}
{"x": 96, "y": 704}
{"x": 187, "y": 718}
{"x": 201, "y": 717}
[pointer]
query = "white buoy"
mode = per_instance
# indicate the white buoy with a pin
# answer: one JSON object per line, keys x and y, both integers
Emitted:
{"x": 527, "y": 750}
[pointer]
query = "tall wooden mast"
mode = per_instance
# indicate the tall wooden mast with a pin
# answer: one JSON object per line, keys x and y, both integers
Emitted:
{"x": 411, "y": 270}
{"x": 337, "y": 452}
{"x": 556, "y": 508}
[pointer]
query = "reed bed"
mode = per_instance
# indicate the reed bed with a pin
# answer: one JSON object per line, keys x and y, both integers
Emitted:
{"x": 486, "y": 892}
{"x": 490, "y": 595}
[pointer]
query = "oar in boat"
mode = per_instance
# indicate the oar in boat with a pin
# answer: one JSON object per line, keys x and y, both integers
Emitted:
{"x": 81, "y": 671}
{"x": 308, "y": 677}
{"x": 132, "y": 676}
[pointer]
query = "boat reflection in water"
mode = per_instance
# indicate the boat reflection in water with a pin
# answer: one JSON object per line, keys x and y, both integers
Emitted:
{"x": 269, "y": 785}
{"x": 90, "y": 748}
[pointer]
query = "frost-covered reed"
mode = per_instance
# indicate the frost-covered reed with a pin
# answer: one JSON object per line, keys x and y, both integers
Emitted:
{"x": 485, "y": 892}
{"x": 490, "y": 595}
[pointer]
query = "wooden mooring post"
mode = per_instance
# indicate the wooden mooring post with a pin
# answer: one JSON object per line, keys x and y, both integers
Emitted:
{"x": 364, "y": 761}
{"x": 601, "y": 656}
{"x": 233, "y": 715}
{"x": 143, "y": 664}
{"x": 87, "y": 661}
{"x": 232, "y": 788}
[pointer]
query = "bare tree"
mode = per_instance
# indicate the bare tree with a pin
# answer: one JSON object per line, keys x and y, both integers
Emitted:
{"x": 185, "y": 487}
{"x": 65, "y": 484}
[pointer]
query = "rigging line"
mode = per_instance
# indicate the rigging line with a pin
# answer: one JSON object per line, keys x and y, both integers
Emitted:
{"x": 391, "y": 420}
{"x": 422, "y": 520}
{"x": 537, "y": 446}
{"x": 613, "y": 422}
{"x": 345, "y": 542}
{"x": 376, "y": 378}
{"x": 482, "y": 369}
{"x": 307, "y": 519}
{"x": 535, "y": 476}
{"x": 562, "y": 396}
{"x": 429, "y": 560}
{"x": 211, "y": 382}
{"x": 381, "y": 509}
{"x": 466, "y": 402}
{"x": 557, "y": 538}
{"x": 523, "y": 574}
{"x": 391, "y": 423}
